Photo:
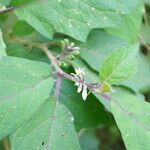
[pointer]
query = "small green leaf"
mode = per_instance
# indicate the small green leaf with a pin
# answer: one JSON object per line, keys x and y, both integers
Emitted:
{"x": 133, "y": 119}
{"x": 2, "y": 46}
{"x": 120, "y": 65}
{"x": 105, "y": 87}
{"x": 98, "y": 47}
{"x": 50, "y": 127}
{"x": 24, "y": 85}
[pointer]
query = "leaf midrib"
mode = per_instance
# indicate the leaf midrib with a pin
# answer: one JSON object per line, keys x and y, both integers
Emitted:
{"x": 18, "y": 92}
{"x": 136, "y": 121}
{"x": 122, "y": 62}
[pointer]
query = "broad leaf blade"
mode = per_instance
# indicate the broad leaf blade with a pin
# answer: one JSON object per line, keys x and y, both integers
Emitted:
{"x": 119, "y": 65}
{"x": 50, "y": 127}
{"x": 130, "y": 25}
{"x": 24, "y": 86}
{"x": 133, "y": 119}
{"x": 74, "y": 18}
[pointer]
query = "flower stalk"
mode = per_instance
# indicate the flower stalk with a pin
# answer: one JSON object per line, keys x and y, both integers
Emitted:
{"x": 77, "y": 77}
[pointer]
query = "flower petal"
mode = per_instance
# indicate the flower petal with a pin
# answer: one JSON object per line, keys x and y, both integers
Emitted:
{"x": 84, "y": 92}
{"x": 79, "y": 88}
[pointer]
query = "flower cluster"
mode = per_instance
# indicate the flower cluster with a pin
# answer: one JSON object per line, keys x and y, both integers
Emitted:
{"x": 2, "y": 7}
{"x": 69, "y": 53}
{"x": 79, "y": 76}
{"x": 69, "y": 46}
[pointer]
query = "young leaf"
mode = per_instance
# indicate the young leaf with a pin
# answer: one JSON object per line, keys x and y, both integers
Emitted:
{"x": 98, "y": 47}
{"x": 133, "y": 119}
{"x": 2, "y": 46}
{"x": 50, "y": 127}
{"x": 105, "y": 87}
{"x": 24, "y": 85}
{"x": 120, "y": 65}
{"x": 66, "y": 17}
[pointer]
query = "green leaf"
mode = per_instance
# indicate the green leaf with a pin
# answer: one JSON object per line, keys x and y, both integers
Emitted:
{"x": 140, "y": 81}
{"x": 133, "y": 119}
{"x": 130, "y": 25}
{"x": 21, "y": 28}
{"x": 19, "y": 50}
{"x": 105, "y": 87}
{"x": 2, "y": 46}
{"x": 50, "y": 127}
{"x": 120, "y": 65}
{"x": 87, "y": 113}
{"x": 73, "y": 18}
{"x": 4, "y": 2}
{"x": 24, "y": 87}
{"x": 98, "y": 47}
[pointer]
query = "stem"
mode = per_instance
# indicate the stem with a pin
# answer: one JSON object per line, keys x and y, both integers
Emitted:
{"x": 59, "y": 73}
{"x": 143, "y": 42}
{"x": 52, "y": 58}
{"x": 9, "y": 9}
{"x": 57, "y": 88}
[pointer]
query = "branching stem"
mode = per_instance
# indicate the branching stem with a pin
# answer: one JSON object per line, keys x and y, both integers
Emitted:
{"x": 59, "y": 73}
{"x": 9, "y": 9}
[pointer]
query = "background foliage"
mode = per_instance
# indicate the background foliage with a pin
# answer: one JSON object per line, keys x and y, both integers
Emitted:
{"x": 108, "y": 34}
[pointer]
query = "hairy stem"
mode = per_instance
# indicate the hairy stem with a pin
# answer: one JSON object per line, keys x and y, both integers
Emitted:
{"x": 9, "y": 9}
{"x": 143, "y": 42}
{"x": 59, "y": 73}
{"x": 57, "y": 87}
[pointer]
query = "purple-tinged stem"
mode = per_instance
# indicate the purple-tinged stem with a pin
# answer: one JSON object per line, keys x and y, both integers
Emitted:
{"x": 57, "y": 87}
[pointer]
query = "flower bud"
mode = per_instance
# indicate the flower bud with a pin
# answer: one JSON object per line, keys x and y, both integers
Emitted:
{"x": 71, "y": 57}
{"x": 76, "y": 52}
{"x": 63, "y": 65}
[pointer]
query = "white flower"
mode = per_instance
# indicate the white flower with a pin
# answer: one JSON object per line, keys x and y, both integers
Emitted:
{"x": 79, "y": 76}
{"x": 84, "y": 92}
{"x": 2, "y": 8}
{"x": 79, "y": 73}
{"x": 79, "y": 88}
